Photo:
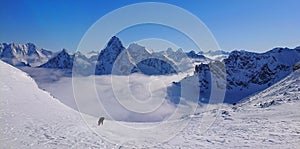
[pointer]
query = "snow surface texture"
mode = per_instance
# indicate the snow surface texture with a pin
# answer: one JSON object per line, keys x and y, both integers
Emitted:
{"x": 31, "y": 118}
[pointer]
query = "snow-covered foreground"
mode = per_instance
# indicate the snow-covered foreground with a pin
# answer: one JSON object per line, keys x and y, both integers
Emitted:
{"x": 31, "y": 118}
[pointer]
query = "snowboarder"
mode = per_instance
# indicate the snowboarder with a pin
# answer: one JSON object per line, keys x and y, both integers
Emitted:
{"x": 101, "y": 119}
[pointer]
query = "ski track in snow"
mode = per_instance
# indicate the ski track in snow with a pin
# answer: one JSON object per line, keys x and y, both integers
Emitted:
{"x": 31, "y": 118}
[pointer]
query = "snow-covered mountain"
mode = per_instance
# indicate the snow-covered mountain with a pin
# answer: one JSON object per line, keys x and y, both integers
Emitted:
{"x": 285, "y": 91}
{"x": 62, "y": 60}
{"x": 65, "y": 61}
{"x": 246, "y": 72}
{"x": 23, "y": 55}
{"x": 108, "y": 56}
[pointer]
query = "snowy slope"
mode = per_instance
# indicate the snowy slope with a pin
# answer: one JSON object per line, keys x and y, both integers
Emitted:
{"x": 285, "y": 91}
{"x": 32, "y": 118}
{"x": 254, "y": 123}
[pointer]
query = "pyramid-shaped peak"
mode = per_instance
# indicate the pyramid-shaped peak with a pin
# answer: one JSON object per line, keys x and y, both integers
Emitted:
{"x": 64, "y": 50}
{"x": 114, "y": 41}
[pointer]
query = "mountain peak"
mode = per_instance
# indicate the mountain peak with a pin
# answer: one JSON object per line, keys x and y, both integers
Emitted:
{"x": 179, "y": 50}
{"x": 63, "y": 60}
{"x": 134, "y": 47}
{"x": 114, "y": 41}
{"x": 192, "y": 54}
{"x": 64, "y": 50}
{"x": 30, "y": 44}
{"x": 170, "y": 50}
{"x": 108, "y": 56}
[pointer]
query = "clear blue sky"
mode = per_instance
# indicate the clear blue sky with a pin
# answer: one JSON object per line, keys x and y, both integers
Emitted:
{"x": 254, "y": 25}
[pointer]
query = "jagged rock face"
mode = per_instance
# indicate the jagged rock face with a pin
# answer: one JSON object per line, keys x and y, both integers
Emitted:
{"x": 203, "y": 73}
{"x": 108, "y": 56}
{"x": 264, "y": 68}
{"x": 62, "y": 60}
{"x": 249, "y": 72}
{"x": 23, "y": 55}
{"x": 266, "y": 75}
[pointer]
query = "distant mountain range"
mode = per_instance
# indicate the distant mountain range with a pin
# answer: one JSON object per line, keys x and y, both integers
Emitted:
{"x": 113, "y": 59}
{"x": 24, "y": 55}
